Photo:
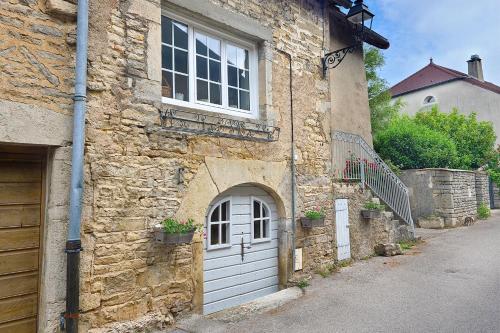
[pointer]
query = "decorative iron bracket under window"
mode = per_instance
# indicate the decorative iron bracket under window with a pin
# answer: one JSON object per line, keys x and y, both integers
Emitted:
{"x": 181, "y": 121}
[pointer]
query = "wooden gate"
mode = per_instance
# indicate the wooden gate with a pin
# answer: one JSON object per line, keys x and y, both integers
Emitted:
{"x": 21, "y": 207}
{"x": 342, "y": 228}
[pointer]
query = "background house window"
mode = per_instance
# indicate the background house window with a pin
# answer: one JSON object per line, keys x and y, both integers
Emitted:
{"x": 261, "y": 221}
{"x": 219, "y": 225}
{"x": 429, "y": 100}
{"x": 206, "y": 69}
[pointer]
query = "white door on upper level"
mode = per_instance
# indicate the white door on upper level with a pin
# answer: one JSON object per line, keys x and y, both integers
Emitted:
{"x": 241, "y": 248}
{"x": 342, "y": 228}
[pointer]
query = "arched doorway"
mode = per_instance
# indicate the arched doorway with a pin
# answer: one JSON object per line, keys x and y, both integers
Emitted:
{"x": 240, "y": 248}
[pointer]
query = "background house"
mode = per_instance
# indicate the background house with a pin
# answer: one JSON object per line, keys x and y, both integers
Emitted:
{"x": 448, "y": 88}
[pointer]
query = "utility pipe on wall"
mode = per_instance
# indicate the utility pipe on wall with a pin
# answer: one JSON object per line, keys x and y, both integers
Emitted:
{"x": 73, "y": 244}
{"x": 293, "y": 183}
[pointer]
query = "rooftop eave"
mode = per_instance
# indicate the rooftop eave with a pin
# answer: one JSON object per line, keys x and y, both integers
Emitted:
{"x": 375, "y": 39}
{"x": 344, "y": 3}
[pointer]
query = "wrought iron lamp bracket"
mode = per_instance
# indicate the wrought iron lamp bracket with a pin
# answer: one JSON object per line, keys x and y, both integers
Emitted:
{"x": 333, "y": 59}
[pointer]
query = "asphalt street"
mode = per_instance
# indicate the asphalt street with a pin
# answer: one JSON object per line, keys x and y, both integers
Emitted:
{"x": 448, "y": 283}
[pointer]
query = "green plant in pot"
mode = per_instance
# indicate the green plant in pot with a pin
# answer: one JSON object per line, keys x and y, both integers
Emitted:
{"x": 172, "y": 231}
{"x": 313, "y": 218}
{"x": 372, "y": 210}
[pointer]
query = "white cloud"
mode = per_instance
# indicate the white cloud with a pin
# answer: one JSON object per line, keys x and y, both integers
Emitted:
{"x": 450, "y": 31}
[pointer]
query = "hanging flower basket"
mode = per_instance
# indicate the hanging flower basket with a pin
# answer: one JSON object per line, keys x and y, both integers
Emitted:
{"x": 313, "y": 218}
{"x": 172, "y": 232}
{"x": 311, "y": 223}
{"x": 370, "y": 213}
{"x": 177, "y": 238}
{"x": 372, "y": 210}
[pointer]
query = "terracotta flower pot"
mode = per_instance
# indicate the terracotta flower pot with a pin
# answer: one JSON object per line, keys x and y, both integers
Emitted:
{"x": 370, "y": 213}
{"x": 311, "y": 223}
{"x": 162, "y": 237}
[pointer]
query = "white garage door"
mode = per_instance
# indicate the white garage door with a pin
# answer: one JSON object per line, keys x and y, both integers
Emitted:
{"x": 241, "y": 248}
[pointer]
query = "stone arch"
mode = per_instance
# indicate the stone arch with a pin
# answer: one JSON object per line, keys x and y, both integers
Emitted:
{"x": 216, "y": 176}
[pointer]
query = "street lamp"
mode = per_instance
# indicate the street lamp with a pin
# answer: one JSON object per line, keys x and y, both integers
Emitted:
{"x": 357, "y": 15}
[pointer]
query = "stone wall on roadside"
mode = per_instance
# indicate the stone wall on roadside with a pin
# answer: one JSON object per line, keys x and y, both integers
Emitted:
{"x": 482, "y": 188}
{"x": 446, "y": 193}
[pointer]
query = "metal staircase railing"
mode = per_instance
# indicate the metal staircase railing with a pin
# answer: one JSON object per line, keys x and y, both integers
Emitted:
{"x": 355, "y": 160}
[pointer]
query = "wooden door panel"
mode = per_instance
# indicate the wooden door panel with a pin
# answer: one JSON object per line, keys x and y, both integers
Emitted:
{"x": 21, "y": 326}
{"x": 20, "y": 193}
{"x": 19, "y": 238}
{"x": 15, "y": 172}
{"x": 18, "y": 308}
{"x": 19, "y": 215}
{"x": 18, "y": 261}
{"x": 18, "y": 284}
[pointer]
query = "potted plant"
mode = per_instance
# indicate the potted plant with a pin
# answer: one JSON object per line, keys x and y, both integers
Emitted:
{"x": 172, "y": 231}
{"x": 313, "y": 218}
{"x": 372, "y": 210}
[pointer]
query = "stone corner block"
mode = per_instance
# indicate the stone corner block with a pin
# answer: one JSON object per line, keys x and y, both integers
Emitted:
{"x": 61, "y": 7}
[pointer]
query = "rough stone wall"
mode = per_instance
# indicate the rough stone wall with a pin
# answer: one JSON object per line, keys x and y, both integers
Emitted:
{"x": 496, "y": 196}
{"x": 452, "y": 192}
{"x": 482, "y": 188}
{"x": 132, "y": 168}
{"x": 365, "y": 234}
{"x": 36, "y": 56}
{"x": 36, "y": 83}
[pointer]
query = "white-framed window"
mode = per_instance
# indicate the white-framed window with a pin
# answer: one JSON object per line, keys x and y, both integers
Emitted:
{"x": 261, "y": 221}
{"x": 429, "y": 100}
{"x": 206, "y": 69}
{"x": 219, "y": 225}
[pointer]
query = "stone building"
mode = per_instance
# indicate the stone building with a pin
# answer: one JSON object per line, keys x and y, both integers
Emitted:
{"x": 221, "y": 154}
{"x": 448, "y": 88}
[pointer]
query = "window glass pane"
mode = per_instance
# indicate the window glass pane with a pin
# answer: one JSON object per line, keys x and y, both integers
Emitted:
{"x": 166, "y": 84}
{"x": 265, "y": 213}
{"x": 265, "y": 228}
{"x": 180, "y": 35}
{"x": 242, "y": 58}
{"x": 202, "y": 90}
{"x": 166, "y": 30}
{"x": 225, "y": 233}
{"x": 233, "y": 97}
{"x": 201, "y": 67}
{"x": 224, "y": 211}
{"x": 215, "y": 215}
{"x": 256, "y": 209}
{"x": 231, "y": 55}
{"x": 244, "y": 100}
{"x": 214, "y": 71}
{"x": 256, "y": 229}
{"x": 214, "y": 48}
{"x": 244, "y": 79}
{"x": 214, "y": 234}
{"x": 181, "y": 87}
{"x": 232, "y": 76}
{"x": 181, "y": 61}
{"x": 215, "y": 93}
{"x": 201, "y": 44}
{"x": 166, "y": 57}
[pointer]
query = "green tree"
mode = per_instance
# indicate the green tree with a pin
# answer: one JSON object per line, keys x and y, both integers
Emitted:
{"x": 410, "y": 145}
{"x": 473, "y": 139}
{"x": 382, "y": 109}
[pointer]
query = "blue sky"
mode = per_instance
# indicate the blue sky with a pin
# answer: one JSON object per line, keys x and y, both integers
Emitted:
{"x": 449, "y": 31}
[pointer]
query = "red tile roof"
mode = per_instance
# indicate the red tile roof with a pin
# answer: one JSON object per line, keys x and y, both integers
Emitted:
{"x": 433, "y": 74}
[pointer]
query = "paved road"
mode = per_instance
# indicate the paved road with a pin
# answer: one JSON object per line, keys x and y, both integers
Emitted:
{"x": 450, "y": 283}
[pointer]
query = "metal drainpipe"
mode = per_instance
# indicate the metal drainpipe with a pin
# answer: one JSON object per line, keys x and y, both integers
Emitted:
{"x": 73, "y": 244}
{"x": 294, "y": 193}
